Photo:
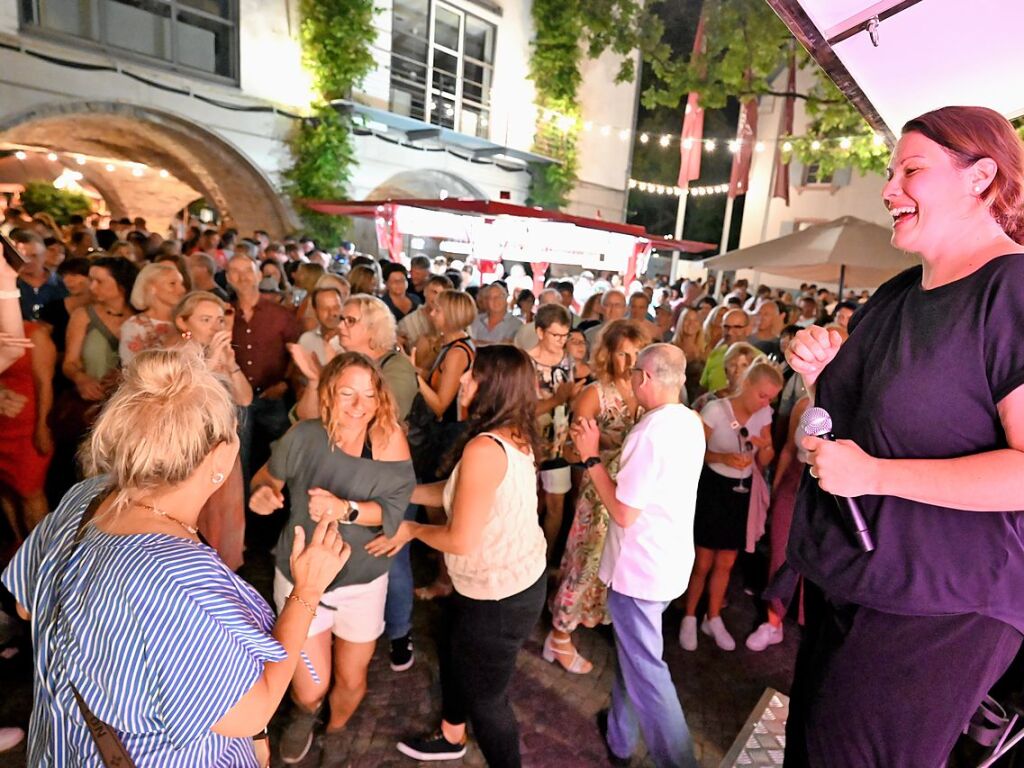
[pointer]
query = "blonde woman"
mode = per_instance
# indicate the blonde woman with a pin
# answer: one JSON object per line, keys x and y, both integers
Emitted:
{"x": 581, "y": 597}
{"x": 158, "y": 288}
{"x": 689, "y": 337}
{"x": 738, "y": 357}
{"x": 119, "y": 565}
{"x": 350, "y": 466}
{"x": 434, "y": 423}
{"x": 364, "y": 279}
{"x": 739, "y": 443}
{"x": 201, "y": 319}
{"x": 713, "y": 326}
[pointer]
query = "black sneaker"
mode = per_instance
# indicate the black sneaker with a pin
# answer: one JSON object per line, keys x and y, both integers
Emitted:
{"x": 602, "y": 727}
{"x": 297, "y": 735}
{"x": 401, "y": 653}
{"x": 432, "y": 748}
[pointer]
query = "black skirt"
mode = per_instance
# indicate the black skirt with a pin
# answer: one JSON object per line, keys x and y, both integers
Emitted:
{"x": 720, "y": 521}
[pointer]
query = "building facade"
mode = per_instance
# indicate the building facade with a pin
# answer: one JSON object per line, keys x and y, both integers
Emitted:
{"x": 159, "y": 102}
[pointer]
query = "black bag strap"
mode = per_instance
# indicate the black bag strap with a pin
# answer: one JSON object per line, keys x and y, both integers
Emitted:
{"x": 108, "y": 744}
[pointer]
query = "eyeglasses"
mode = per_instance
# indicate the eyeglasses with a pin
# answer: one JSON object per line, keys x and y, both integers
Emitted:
{"x": 557, "y": 335}
{"x": 349, "y": 320}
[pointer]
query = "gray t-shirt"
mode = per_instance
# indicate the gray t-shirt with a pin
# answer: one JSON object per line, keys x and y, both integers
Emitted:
{"x": 304, "y": 459}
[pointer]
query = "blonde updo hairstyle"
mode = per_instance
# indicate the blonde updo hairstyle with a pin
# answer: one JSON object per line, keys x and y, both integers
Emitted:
{"x": 184, "y": 309}
{"x": 167, "y": 416}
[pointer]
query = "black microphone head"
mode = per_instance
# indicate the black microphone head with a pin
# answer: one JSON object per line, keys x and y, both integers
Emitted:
{"x": 816, "y": 422}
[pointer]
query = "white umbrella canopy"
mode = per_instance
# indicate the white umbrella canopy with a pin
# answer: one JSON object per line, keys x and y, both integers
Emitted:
{"x": 848, "y": 250}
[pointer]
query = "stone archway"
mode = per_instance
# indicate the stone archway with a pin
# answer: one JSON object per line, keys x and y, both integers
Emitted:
{"x": 199, "y": 162}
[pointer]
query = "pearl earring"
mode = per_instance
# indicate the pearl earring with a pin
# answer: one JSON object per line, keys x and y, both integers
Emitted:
{"x": 217, "y": 478}
{"x": 187, "y": 335}
{"x": 977, "y": 189}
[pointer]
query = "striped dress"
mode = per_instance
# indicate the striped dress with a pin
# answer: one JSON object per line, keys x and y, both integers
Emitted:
{"x": 157, "y": 634}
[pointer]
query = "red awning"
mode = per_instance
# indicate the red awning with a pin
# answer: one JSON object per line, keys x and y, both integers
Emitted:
{"x": 496, "y": 208}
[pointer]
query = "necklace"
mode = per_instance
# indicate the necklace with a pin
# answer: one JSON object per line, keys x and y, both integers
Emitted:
{"x": 192, "y": 530}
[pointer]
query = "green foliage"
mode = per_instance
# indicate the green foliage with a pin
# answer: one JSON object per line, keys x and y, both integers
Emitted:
{"x": 566, "y": 30}
{"x": 746, "y": 46}
{"x": 43, "y": 197}
{"x": 336, "y": 36}
{"x": 324, "y": 156}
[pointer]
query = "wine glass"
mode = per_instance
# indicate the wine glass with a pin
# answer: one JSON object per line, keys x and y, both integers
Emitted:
{"x": 743, "y": 438}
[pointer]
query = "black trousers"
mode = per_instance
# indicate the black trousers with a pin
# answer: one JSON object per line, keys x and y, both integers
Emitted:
{"x": 477, "y": 652}
{"x": 874, "y": 689}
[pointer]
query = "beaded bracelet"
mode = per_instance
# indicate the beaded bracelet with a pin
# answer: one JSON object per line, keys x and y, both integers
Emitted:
{"x": 304, "y": 604}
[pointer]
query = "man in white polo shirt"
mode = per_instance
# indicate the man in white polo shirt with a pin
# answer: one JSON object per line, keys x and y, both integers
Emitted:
{"x": 648, "y": 553}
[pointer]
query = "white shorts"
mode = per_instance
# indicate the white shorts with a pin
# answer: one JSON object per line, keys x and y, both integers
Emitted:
{"x": 557, "y": 480}
{"x": 354, "y": 613}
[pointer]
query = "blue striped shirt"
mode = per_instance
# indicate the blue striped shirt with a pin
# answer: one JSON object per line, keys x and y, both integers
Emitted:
{"x": 157, "y": 634}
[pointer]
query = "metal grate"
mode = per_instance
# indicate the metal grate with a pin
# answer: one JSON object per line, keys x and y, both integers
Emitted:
{"x": 762, "y": 740}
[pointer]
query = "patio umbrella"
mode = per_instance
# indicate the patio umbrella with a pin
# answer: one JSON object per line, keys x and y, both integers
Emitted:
{"x": 848, "y": 251}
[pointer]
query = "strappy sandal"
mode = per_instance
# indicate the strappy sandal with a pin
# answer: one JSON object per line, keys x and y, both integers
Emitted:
{"x": 578, "y": 665}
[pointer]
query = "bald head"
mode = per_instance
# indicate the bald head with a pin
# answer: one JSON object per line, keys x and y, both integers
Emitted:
{"x": 735, "y": 326}
{"x": 613, "y": 305}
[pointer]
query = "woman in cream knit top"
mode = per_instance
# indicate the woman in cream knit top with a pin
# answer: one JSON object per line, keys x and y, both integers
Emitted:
{"x": 512, "y": 552}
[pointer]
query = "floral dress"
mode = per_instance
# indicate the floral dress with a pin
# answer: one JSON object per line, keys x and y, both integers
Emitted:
{"x": 581, "y": 597}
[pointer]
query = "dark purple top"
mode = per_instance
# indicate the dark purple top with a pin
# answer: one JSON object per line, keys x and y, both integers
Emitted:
{"x": 920, "y": 377}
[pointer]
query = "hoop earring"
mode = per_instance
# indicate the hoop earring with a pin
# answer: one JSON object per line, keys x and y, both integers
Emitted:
{"x": 186, "y": 335}
{"x": 217, "y": 478}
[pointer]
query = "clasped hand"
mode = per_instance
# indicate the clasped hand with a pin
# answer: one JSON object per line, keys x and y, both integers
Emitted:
{"x": 842, "y": 468}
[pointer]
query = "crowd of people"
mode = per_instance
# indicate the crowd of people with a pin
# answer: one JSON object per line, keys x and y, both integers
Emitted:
{"x": 561, "y": 441}
{"x": 349, "y": 376}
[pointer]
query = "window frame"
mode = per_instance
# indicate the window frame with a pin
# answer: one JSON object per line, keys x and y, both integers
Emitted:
{"x": 433, "y": 97}
{"x": 33, "y": 28}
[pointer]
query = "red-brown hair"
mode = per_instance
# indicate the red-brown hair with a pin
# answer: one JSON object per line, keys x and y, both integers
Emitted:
{"x": 969, "y": 134}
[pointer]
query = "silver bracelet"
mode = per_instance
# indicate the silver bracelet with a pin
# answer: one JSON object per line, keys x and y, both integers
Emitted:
{"x": 12, "y": 294}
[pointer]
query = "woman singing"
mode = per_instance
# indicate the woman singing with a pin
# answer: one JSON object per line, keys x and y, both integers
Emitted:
{"x": 926, "y": 397}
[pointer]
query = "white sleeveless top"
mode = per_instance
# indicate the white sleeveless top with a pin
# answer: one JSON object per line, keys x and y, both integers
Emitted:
{"x": 512, "y": 553}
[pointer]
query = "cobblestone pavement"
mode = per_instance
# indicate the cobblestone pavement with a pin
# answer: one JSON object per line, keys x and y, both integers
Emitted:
{"x": 556, "y": 710}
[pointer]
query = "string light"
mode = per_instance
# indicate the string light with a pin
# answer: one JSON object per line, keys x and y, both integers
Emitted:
{"x": 588, "y": 126}
{"x": 845, "y": 144}
{"x": 759, "y": 147}
{"x": 52, "y": 157}
{"x": 644, "y": 138}
{"x": 665, "y": 140}
{"x": 787, "y": 146}
{"x": 655, "y": 188}
{"x": 710, "y": 145}
{"x": 110, "y": 167}
{"x": 815, "y": 145}
{"x": 734, "y": 146}
{"x": 163, "y": 173}
{"x": 623, "y": 134}
{"x": 20, "y": 155}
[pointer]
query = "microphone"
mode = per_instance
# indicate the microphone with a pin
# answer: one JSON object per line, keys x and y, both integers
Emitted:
{"x": 817, "y": 422}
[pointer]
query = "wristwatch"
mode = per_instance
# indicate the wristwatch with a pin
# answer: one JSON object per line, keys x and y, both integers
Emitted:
{"x": 592, "y": 461}
{"x": 352, "y": 514}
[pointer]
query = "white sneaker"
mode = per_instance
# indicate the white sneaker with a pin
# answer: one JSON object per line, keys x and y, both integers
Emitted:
{"x": 688, "y": 633}
{"x": 764, "y": 636}
{"x": 10, "y": 738}
{"x": 716, "y": 629}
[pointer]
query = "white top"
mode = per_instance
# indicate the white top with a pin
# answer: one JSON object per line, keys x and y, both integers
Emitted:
{"x": 658, "y": 474}
{"x": 314, "y": 342}
{"x": 725, "y": 433}
{"x": 513, "y": 553}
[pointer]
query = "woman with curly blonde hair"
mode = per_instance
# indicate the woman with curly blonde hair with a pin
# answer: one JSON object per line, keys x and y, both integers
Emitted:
{"x": 352, "y": 466}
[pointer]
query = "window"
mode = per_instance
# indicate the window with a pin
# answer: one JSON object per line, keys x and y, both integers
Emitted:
{"x": 442, "y": 63}
{"x": 197, "y": 36}
{"x": 813, "y": 175}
